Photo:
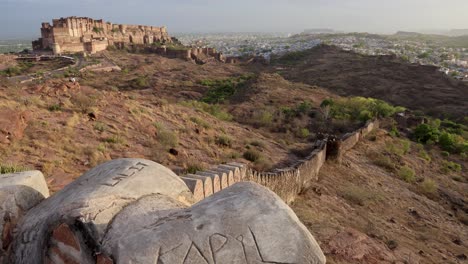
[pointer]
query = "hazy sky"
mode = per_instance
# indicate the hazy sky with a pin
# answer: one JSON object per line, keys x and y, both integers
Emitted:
{"x": 22, "y": 18}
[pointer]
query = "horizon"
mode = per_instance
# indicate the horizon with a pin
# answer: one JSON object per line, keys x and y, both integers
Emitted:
{"x": 260, "y": 16}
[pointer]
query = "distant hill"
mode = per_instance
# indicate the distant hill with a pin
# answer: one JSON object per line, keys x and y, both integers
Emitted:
{"x": 407, "y": 33}
{"x": 385, "y": 77}
{"x": 319, "y": 31}
{"x": 440, "y": 40}
{"x": 459, "y": 32}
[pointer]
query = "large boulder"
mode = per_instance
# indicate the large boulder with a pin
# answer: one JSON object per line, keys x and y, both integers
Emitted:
{"x": 245, "y": 223}
{"x": 137, "y": 211}
{"x": 77, "y": 217}
{"x": 19, "y": 192}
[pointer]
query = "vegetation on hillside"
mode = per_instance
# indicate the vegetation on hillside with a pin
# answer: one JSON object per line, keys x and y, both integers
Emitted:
{"x": 222, "y": 90}
{"x": 450, "y": 136}
{"x": 360, "y": 108}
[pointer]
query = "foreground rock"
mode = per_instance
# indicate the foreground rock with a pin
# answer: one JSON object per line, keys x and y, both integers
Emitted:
{"x": 245, "y": 223}
{"x": 19, "y": 192}
{"x": 137, "y": 211}
{"x": 82, "y": 211}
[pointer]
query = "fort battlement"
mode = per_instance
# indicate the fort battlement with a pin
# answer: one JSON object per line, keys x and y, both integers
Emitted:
{"x": 83, "y": 34}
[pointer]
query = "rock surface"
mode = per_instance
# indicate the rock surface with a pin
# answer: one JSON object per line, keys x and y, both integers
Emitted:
{"x": 91, "y": 202}
{"x": 137, "y": 211}
{"x": 245, "y": 223}
{"x": 19, "y": 192}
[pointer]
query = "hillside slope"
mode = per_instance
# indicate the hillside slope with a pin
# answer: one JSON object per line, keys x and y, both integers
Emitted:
{"x": 363, "y": 213}
{"x": 384, "y": 77}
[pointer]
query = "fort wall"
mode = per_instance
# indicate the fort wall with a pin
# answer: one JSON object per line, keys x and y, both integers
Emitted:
{"x": 287, "y": 183}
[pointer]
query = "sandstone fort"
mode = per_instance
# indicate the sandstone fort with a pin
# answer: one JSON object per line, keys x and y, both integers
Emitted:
{"x": 83, "y": 34}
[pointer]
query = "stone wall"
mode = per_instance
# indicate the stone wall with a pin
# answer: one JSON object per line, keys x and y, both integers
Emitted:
{"x": 287, "y": 183}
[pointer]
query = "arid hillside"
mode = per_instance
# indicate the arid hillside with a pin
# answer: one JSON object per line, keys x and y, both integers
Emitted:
{"x": 400, "y": 196}
{"x": 388, "y": 78}
{"x": 152, "y": 109}
{"x": 389, "y": 202}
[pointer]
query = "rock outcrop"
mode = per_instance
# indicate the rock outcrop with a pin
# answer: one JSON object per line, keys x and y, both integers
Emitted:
{"x": 137, "y": 211}
{"x": 19, "y": 192}
{"x": 245, "y": 223}
{"x": 87, "y": 206}
{"x": 12, "y": 124}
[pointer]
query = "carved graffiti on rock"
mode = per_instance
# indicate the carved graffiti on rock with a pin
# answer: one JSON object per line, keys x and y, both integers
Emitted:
{"x": 131, "y": 171}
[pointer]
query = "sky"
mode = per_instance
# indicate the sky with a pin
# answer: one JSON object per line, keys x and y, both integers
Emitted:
{"x": 22, "y": 18}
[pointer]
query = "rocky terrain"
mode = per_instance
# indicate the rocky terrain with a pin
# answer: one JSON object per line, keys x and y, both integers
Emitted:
{"x": 364, "y": 212}
{"x": 190, "y": 117}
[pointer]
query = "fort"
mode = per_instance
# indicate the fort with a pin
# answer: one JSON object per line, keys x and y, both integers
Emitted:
{"x": 83, "y": 34}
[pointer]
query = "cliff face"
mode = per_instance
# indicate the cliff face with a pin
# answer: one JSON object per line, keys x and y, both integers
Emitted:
{"x": 83, "y": 34}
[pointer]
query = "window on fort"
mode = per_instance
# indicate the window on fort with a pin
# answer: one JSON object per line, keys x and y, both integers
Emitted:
{"x": 130, "y": 38}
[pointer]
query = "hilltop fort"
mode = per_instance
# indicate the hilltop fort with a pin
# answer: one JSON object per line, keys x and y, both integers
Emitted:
{"x": 83, "y": 34}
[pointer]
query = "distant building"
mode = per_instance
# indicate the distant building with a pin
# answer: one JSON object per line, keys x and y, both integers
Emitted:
{"x": 83, "y": 34}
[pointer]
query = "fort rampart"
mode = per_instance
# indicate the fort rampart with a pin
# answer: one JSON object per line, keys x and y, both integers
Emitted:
{"x": 287, "y": 182}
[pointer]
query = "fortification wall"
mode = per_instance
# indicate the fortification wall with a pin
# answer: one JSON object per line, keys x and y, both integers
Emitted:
{"x": 287, "y": 183}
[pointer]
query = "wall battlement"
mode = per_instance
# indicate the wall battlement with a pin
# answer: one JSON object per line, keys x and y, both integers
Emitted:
{"x": 287, "y": 183}
{"x": 83, "y": 34}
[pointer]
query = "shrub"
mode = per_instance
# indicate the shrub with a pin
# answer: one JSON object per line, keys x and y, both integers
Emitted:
{"x": 450, "y": 166}
{"x": 221, "y": 90}
{"x": 263, "y": 118}
{"x": 360, "y": 108}
{"x": 384, "y": 162}
{"x": 214, "y": 110}
{"x": 114, "y": 140}
{"x": 223, "y": 141}
{"x": 429, "y": 186}
{"x": 200, "y": 122}
{"x": 304, "y": 108}
{"x": 83, "y": 102}
{"x": 358, "y": 195}
{"x": 251, "y": 155}
{"x": 303, "y": 133}
{"x": 257, "y": 143}
{"x": 262, "y": 164}
{"x": 166, "y": 137}
{"x": 101, "y": 127}
{"x": 192, "y": 168}
{"x": 406, "y": 146}
{"x": 140, "y": 82}
{"x": 11, "y": 168}
{"x": 394, "y": 132}
{"x": 424, "y": 133}
{"x": 423, "y": 154}
{"x": 401, "y": 148}
{"x": 55, "y": 108}
{"x": 234, "y": 155}
{"x": 407, "y": 174}
{"x": 445, "y": 154}
{"x": 452, "y": 143}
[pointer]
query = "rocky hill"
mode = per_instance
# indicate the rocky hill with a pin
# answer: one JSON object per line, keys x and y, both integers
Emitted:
{"x": 281, "y": 120}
